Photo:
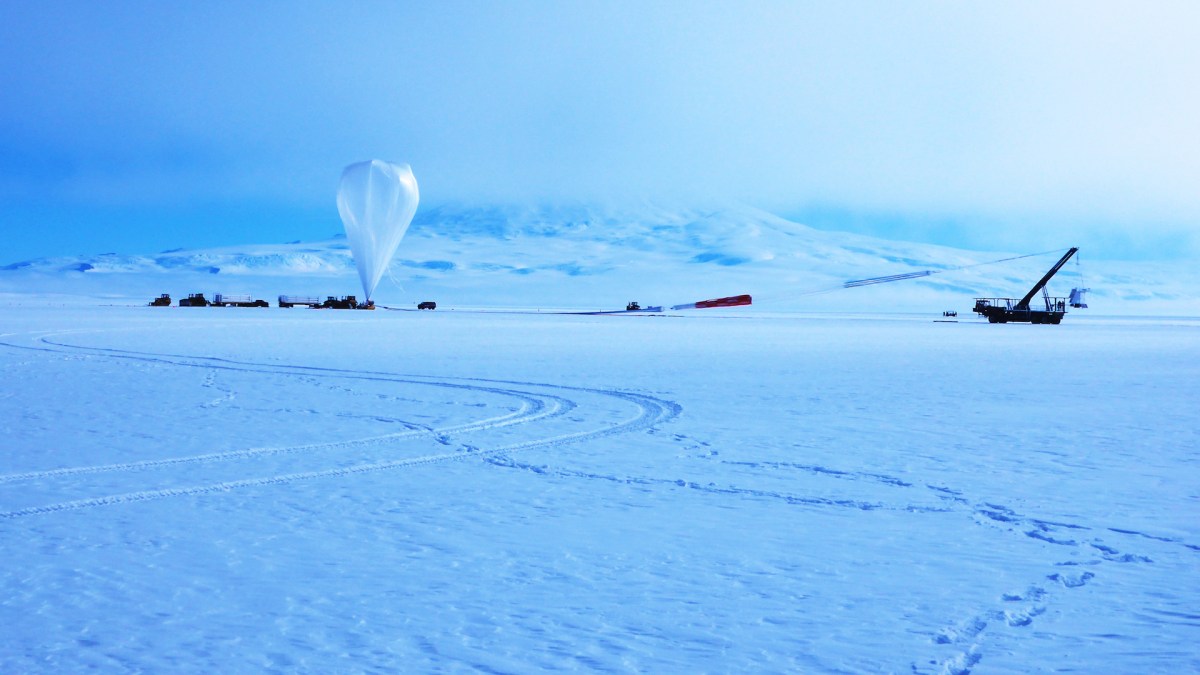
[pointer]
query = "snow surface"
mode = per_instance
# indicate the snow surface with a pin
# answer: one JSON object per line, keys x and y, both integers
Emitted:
{"x": 816, "y": 483}
{"x": 225, "y": 490}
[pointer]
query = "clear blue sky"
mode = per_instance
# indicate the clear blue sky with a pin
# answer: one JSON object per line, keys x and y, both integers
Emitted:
{"x": 138, "y": 126}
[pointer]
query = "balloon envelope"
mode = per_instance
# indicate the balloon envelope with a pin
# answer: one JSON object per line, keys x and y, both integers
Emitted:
{"x": 377, "y": 201}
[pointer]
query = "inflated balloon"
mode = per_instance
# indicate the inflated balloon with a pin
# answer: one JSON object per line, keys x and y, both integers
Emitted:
{"x": 377, "y": 201}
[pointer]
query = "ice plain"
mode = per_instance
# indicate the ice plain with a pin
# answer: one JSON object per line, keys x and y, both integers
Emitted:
{"x": 222, "y": 490}
{"x": 817, "y": 483}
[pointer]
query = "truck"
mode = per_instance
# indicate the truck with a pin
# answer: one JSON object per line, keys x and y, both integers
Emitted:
{"x": 194, "y": 300}
{"x": 345, "y": 302}
{"x": 1006, "y": 310}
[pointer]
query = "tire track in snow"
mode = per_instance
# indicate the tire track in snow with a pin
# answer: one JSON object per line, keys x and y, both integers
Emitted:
{"x": 649, "y": 411}
{"x": 524, "y": 415}
{"x": 533, "y": 409}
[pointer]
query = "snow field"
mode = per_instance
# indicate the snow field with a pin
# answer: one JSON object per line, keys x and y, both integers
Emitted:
{"x": 214, "y": 490}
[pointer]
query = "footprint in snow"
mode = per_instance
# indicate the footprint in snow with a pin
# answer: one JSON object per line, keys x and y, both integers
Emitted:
{"x": 1022, "y": 617}
{"x": 1041, "y": 534}
{"x": 960, "y": 633}
{"x": 1071, "y": 580}
{"x": 1033, "y": 594}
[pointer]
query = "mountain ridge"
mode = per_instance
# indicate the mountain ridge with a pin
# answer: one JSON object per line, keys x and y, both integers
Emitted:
{"x": 568, "y": 255}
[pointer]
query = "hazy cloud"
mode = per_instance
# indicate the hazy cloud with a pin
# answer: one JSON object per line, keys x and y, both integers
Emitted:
{"x": 1000, "y": 122}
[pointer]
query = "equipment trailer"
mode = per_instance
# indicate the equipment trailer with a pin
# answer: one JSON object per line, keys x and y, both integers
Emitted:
{"x": 305, "y": 300}
{"x": 241, "y": 300}
{"x": 1005, "y": 310}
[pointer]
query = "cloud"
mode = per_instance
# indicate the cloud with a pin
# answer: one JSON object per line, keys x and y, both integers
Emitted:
{"x": 1015, "y": 113}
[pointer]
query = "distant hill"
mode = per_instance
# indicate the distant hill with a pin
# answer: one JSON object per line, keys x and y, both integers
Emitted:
{"x": 588, "y": 256}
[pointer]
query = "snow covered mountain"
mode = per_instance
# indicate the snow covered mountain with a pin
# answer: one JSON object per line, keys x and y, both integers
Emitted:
{"x": 589, "y": 256}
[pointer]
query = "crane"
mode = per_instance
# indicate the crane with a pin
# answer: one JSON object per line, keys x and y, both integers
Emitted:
{"x": 1004, "y": 310}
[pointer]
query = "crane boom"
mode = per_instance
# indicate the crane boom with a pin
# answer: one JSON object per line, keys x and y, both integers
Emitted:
{"x": 1005, "y": 310}
{"x": 1024, "y": 303}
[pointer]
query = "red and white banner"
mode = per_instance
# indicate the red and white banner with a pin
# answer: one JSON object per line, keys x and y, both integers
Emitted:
{"x": 731, "y": 301}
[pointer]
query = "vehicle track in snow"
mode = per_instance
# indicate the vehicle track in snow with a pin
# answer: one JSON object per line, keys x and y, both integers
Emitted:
{"x": 532, "y": 409}
{"x": 538, "y": 402}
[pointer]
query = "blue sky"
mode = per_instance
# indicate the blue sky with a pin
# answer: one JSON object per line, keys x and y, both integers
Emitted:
{"x": 139, "y": 126}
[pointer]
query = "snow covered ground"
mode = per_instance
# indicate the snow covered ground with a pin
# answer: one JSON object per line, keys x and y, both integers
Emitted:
{"x": 224, "y": 490}
{"x": 585, "y": 256}
{"x": 816, "y": 483}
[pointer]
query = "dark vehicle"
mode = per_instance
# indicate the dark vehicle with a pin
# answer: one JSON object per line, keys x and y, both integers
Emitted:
{"x": 633, "y": 306}
{"x": 1005, "y": 310}
{"x": 344, "y": 302}
{"x": 428, "y": 304}
{"x": 163, "y": 300}
{"x": 194, "y": 300}
{"x": 950, "y": 312}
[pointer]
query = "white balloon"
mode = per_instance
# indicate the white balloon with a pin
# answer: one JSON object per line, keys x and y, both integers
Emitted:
{"x": 377, "y": 200}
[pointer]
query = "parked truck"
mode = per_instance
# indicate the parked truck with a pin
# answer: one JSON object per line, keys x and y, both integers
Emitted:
{"x": 1006, "y": 310}
{"x": 346, "y": 302}
{"x": 194, "y": 300}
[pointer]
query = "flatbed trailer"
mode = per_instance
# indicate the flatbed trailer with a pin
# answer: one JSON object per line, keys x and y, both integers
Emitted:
{"x": 303, "y": 300}
{"x": 246, "y": 300}
{"x": 1003, "y": 310}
